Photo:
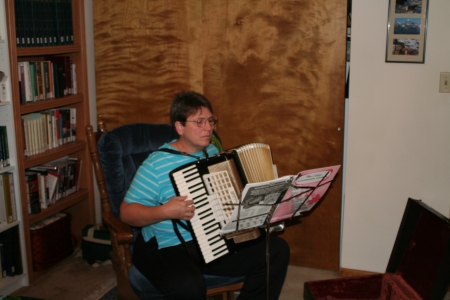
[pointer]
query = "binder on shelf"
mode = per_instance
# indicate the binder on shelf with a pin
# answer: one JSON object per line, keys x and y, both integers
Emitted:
{"x": 11, "y": 252}
{"x": 5, "y": 157}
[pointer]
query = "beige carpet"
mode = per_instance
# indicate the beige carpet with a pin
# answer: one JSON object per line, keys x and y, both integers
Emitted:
{"x": 73, "y": 279}
{"x": 76, "y": 279}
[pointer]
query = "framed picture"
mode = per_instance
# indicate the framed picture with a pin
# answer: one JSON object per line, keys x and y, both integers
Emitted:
{"x": 406, "y": 31}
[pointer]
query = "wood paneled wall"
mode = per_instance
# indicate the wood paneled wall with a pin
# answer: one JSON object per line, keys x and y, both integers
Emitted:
{"x": 274, "y": 71}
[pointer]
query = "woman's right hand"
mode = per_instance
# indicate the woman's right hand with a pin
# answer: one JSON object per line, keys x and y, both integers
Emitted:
{"x": 180, "y": 208}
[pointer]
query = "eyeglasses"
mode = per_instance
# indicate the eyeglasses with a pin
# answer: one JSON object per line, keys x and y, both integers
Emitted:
{"x": 201, "y": 122}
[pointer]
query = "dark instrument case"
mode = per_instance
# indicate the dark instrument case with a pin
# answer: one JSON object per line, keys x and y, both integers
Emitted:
{"x": 419, "y": 266}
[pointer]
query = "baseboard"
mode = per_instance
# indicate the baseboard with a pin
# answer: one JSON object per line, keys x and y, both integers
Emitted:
{"x": 352, "y": 273}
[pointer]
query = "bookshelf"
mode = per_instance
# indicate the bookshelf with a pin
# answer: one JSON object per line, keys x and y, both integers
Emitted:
{"x": 80, "y": 204}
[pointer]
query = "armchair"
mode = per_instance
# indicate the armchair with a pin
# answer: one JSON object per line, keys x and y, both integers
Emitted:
{"x": 116, "y": 156}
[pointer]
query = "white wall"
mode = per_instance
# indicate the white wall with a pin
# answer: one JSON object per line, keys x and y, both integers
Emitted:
{"x": 398, "y": 134}
{"x": 89, "y": 23}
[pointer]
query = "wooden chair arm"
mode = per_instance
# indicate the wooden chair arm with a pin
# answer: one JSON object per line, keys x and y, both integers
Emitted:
{"x": 122, "y": 231}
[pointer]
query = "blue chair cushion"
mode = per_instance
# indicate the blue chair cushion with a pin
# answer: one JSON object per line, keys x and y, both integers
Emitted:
{"x": 123, "y": 150}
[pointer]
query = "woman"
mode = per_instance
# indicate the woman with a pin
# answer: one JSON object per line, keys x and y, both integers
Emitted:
{"x": 172, "y": 263}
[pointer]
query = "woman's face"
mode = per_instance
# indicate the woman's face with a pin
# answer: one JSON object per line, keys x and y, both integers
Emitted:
{"x": 193, "y": 137}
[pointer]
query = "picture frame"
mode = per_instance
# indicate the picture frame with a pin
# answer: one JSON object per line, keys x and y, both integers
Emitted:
{"x": 406, "y": 31}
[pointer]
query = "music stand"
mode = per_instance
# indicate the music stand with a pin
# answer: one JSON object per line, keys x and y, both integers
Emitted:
{"x": 283, "y": 191}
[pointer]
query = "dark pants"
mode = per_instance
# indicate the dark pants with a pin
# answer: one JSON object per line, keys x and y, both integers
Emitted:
{"x": 177, "y": 271}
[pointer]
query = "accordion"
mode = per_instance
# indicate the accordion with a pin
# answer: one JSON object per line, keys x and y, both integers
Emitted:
{"x": 215, "y": 185}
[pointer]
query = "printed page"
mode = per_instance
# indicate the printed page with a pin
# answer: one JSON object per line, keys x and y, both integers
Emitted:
{"x": 256, "y": 203}
{"x": 307, "y": 189}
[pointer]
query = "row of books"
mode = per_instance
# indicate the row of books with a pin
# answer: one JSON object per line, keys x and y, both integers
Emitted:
{"x": 43, "y": 22}
{"x": 47, "y": 183}
{"x": 10, "y": 254}
{"x": 4, "y": 148}
{"x": 55, "y": 76}
{"x": 8, "y": 209}
{"x": 48, "y": 129}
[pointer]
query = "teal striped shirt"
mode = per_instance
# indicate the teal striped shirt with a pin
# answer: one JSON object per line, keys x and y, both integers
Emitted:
{"x": 151, "y": 186}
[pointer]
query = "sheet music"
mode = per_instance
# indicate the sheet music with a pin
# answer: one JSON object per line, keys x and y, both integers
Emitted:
{"x": 299, "y": 193}
{"x": 256, "y": 204}
{"x": 307, "y": 190}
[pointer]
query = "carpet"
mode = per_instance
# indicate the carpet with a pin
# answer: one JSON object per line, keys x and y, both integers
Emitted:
{"x": 74, "y": 278}
{"x": 111, "y": 295}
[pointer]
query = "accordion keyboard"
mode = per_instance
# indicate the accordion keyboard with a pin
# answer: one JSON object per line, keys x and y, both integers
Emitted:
{"x": 204, "y": 223}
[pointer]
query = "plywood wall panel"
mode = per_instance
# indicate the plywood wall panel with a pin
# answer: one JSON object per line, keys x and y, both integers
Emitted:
{"x": 144, "y": 51}
{"x": 274, "y": 71}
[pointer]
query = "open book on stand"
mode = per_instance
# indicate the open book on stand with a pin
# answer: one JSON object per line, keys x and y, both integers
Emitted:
{"x": 279, "y": 199}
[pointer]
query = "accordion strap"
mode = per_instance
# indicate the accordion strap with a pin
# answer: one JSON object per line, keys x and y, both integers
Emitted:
{"x": 177, "y": 232}
{"x": 183, "y": 153}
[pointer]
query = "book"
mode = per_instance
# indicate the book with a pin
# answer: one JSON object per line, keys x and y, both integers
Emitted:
{"x": 1, "y": 151}
{"x": 19, "y": 15}
{"x": 68, "y": 21}
{"x": 40, "y": 83}
{"x": 66, "y": 126}
{"x": 61, "y": 174}
{"x": 3, "y": 260}
{"x": 59, "y": 21}
{"x": 77, "y": 165}
{"x": 279, "y": 199}
{"x": 63, "y": 71}
{"x": 50, "y": 78}
{"x": 24, "y": 74}
{"x": 74, "y": 79}
{"x": 33, "y": 81}
{"x": 52, "y": 184}
{"x": 73, "y": 124}
{"x": 3, "y": 220}
{"x": 32, "y": 128}
{"x": 7, "y": 197}
{"x": 59, "y": 79}
{"x": 9, "y": 200}
{"x": 31, "y": 180}
{"x": 45, "y": 75}
{"x": 43, "y": 189}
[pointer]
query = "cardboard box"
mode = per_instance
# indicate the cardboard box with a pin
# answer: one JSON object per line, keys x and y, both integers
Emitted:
{"x": 419, "y": 266}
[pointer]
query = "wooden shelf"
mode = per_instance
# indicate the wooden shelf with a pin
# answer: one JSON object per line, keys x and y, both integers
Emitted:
{"x": 81, "y": 203}
{"x": 50, "y": 103}
{"x": 53, "y": 50}
{"x": 51, "y": 154}
{"x": 60, "y": 205}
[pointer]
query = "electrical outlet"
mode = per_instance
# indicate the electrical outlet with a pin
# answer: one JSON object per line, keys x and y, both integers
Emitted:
{"x": 444, "y": 82}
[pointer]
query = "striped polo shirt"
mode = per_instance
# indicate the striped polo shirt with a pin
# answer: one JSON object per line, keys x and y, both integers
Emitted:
{"x": 151, "y": 186}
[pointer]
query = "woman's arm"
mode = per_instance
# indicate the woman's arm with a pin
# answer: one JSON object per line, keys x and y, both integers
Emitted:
{"x": 138, "y": 215}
